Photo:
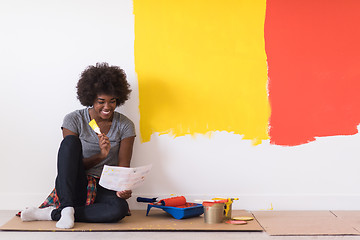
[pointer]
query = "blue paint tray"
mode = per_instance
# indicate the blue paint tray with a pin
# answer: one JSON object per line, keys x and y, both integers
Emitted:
{"x": 180, "y": 212}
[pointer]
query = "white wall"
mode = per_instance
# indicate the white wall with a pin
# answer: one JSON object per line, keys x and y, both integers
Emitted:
{"x": 44, "y": 45}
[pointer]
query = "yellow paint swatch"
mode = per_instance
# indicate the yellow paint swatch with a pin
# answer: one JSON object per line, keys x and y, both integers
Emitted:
{"x": 201, "y": 66}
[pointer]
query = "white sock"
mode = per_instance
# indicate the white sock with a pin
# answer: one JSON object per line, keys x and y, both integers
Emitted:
{"x": 67, "y": 218}
{"x": 36, "y": 214}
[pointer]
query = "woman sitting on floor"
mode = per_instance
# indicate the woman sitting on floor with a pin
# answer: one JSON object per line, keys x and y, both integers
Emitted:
{"x": 77, "y": 196}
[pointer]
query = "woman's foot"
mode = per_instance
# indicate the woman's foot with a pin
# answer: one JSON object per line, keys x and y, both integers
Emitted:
{"x": 67, "y": 218}
{"x": 36, "y": 214}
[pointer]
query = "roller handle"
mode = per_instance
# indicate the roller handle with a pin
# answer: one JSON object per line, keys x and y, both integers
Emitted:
{"x": 147, "y": 200}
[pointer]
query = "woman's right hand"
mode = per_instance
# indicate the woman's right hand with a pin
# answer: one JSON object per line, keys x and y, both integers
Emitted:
{"x": 104, "y": 144}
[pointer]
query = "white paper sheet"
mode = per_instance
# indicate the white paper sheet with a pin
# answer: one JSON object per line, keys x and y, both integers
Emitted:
{"x": 122, "y": 178}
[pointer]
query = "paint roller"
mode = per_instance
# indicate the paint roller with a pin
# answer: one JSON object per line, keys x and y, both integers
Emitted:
{"x": 173, "y": 201}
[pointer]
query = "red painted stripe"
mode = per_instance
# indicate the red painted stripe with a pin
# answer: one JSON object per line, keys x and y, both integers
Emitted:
{"x": 313, "y": 50}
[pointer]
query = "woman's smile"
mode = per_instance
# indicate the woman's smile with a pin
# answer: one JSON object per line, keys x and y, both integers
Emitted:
{"x": 106, "y": 113}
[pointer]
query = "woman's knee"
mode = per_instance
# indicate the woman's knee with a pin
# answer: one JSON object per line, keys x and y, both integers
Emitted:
{"x": 70, "y": 151}
{"x": 71, "y": 140}
{"x": 120, "y": 209}
{"x": 71, "y": 144}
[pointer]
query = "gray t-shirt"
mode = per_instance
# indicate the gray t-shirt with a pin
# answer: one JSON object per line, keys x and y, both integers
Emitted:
{"x": 121, "y": 127}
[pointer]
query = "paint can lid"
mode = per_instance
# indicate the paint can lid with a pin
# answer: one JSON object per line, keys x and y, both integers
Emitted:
{"x": 237, "y": 222}
{"x": 243, "y": 218}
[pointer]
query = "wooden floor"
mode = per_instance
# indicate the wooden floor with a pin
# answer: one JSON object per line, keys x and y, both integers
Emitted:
{"x": 157, "y": 220}
{"x": 350, "y": 218}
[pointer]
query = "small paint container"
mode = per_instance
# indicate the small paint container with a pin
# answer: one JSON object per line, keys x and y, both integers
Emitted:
{"x": 228, "y": 206}
{"x": 214, "y": 212}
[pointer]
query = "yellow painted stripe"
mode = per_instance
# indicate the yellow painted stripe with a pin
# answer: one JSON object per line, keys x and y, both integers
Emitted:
{"x": 201, "y": 67}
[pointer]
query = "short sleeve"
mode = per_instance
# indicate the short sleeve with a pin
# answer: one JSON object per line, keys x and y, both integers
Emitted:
{"x": 71, "y": 122}
{"x": 127, "y": 127}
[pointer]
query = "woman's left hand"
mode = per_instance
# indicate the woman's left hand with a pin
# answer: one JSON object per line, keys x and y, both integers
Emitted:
{"x": 124, "y": 194}
{"x": 104, "y": 144}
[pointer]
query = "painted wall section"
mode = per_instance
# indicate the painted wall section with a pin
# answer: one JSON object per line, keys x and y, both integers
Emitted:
{"x": 201, "y": 67}
{"x": 313, "y": 55}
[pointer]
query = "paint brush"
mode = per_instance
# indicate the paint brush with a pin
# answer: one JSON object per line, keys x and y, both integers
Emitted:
{"x": 94, "y": 126}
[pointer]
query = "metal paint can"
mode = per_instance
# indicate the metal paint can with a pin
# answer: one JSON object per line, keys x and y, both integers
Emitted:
{"x": 213, "y": 212}
{"x": 227, "y": 206}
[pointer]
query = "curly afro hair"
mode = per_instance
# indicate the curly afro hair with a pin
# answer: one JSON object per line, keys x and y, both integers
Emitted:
{"x": 102, "y": 79}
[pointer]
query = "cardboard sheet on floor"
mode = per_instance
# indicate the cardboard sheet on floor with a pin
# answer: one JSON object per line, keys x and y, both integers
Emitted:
{"x": 157, "y": 220}
{"x": 303, "y": 223}
{"x": 350, "y": 217}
